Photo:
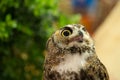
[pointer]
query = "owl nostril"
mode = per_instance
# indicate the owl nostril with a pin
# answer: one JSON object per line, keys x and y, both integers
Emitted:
{"x": 80, "y": 33}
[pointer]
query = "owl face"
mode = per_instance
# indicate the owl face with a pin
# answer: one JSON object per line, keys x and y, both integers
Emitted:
{"x": 72, "y": 35}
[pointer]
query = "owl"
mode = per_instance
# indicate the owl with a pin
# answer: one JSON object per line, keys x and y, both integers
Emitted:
{"x": 71, "y": 56}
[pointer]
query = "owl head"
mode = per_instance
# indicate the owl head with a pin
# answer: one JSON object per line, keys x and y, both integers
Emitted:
{"x": 74, "y": 35}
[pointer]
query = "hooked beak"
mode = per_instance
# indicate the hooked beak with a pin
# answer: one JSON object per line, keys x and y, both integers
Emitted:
{"x": 78, "y": 38}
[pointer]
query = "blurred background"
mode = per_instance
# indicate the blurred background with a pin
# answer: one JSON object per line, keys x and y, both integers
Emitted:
{"x": 25, "y": 26}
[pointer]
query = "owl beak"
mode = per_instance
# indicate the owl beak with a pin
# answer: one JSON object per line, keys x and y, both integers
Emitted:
{"x": 78, "y": 38}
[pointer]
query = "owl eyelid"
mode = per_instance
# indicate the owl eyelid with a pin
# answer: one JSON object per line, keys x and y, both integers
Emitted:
{"x": 67, "y": 28}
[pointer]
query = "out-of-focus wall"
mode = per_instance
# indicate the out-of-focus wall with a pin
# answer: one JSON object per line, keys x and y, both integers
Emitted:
{"x": 107, "y": 39}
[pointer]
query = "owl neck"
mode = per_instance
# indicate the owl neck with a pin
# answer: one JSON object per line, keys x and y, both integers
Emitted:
{"x": 73, "y": 58}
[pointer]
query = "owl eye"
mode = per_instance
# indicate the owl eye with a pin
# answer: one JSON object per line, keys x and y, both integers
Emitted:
{"x": 83, "y": 29}
{"x": 66, "y": 33}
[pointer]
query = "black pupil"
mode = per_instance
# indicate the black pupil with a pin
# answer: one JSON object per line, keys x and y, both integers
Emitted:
{"x": 66, "y": 33}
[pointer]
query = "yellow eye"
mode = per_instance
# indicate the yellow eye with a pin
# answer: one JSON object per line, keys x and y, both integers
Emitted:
{"x": 66, "y": 33}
